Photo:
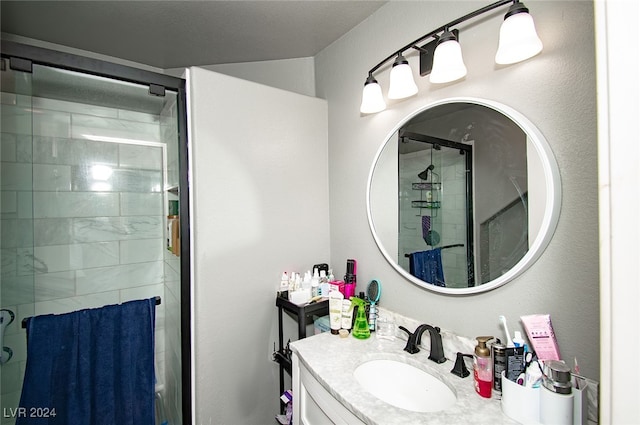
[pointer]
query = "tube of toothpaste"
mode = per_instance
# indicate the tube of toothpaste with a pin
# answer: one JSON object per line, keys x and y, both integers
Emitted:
{"x": 533, "y": 375}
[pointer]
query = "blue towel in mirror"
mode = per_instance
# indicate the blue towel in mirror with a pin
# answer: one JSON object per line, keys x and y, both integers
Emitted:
{"x": 427, "y": 266}
{"x": 93, "y": 366}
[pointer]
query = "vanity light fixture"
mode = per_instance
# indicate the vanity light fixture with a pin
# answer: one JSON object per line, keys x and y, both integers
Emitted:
{"x": 448, "y": 64}
{"x": 442, "y": 56}
{"x": 401, "y": 83}
{"x": 372, "y": 100}
{"x": 518, "y": 37}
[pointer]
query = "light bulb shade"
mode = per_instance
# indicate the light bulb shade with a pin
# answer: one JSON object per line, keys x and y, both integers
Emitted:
{"x": 518, "y": 38}
{"x": 372, "y": 100}
{"x": 401, "y": 83}
{"x": 447, "y": 61}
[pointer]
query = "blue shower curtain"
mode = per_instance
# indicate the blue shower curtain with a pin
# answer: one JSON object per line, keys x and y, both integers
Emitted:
{"x": 427, "y": 266}
{"x": 90, "y": 367}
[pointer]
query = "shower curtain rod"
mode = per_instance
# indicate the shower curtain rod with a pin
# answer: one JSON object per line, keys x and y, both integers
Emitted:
{"x": 24, "y": 321}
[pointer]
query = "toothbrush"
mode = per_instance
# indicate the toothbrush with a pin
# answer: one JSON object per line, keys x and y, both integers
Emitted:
{"x": 503, "y": 321}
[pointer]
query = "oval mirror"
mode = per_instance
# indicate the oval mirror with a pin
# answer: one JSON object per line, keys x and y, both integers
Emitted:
{"x": 463, "y": 196}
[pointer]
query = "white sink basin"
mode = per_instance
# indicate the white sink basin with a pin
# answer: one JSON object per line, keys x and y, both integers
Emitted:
{"x": 404, "y": 386}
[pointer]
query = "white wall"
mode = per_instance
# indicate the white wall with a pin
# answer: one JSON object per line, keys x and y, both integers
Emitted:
{"x": 296, "y": 75}
{"x": 260, "y": 207}
{"x": 618, "y": 112}
{"x": 555, "y": 90}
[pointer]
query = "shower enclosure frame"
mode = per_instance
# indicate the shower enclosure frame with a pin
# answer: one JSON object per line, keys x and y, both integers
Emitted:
{"x": 467, "y": 151}
{"x": 25, "y": 55}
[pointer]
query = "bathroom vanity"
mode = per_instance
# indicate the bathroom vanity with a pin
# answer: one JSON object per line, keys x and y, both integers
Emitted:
{"x": 326, "y": 389}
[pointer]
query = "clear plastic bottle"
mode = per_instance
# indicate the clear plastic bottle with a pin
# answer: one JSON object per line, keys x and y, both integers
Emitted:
{"x": 284, "y": 283}
{"x": 483, "y": 367}
{"x": 315, "y": 284}
{"x": 324, "y": 284}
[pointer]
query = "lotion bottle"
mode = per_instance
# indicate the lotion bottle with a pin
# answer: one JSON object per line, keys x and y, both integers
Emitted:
{"x": 483, "y": 367}
{"x": 335, "y": 311}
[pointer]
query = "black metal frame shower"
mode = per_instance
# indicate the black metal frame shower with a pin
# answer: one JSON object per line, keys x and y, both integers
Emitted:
{"x": 22, "y": 56}
{"x": 468, "y": 157}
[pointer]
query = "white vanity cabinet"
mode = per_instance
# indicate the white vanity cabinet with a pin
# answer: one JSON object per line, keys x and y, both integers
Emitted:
{"x": 312, "y": 403}
{"x": 326, "y": 391}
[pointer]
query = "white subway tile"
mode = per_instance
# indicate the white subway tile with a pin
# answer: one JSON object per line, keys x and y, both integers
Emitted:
{"x": 140, "y": 157}
{"x": 8, "y": 147}
{"x": 123, "y": 114}
{"x": 16, "y": 176}
{"x": 7, "y": 98}
{"x": 24, "y": 148}
{"x": 118, "y": 180}
{"x": 82, "y": 108}
{"x": 25, "y": 204}
{"x": 9, "y": 202}
{"x": 12, "y": 377}
{"x": 78, "y": 256}
{"x": 51, "y": 177}
{"x": 51, "y": 286}
{"x": 16, "y": 289}
{"x": 118, "y": 277}
{"x": 88, "y": 127}
{"x": 141, "y": 250}
{"x": 16, "y": 119}
{"x": 51, "y": 123}
{"x": 141, "y": 204}
{"x": 18, "y": 344}
{"x": 70, "y": 204}
{"x": 96, "y": 229}
{"x": 67, "y": 305}
{"x": 51, "y": 150}
{"x": 52, "y": 231}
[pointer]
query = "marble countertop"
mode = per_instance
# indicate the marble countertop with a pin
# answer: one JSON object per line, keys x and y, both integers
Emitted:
{"x": 331, "y": 360}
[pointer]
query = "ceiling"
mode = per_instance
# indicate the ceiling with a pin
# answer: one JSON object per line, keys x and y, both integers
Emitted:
{"x": 172, "y": 34}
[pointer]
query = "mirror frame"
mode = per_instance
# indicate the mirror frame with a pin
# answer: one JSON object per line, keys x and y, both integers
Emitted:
{"x": 553, "y": 197}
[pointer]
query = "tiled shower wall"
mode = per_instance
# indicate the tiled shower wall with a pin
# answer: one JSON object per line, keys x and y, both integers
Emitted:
{"x": 83, "y": 220}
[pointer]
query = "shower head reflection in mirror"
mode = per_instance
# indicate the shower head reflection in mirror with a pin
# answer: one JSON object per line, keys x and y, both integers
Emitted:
{"x": 510, "y": 176}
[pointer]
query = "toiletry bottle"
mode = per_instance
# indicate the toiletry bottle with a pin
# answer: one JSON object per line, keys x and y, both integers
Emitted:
{"x": 556, "y": 395}
{"x": 292, "y": 281}
{"x": 482, "y": 367}
{"x": 315, "y": 283}
{"x": 284, "y": 285}
{"x": 361, "y": 325}
{"x": 306, "y": 281}
{"x": 347, "y": 313}
{"x": 499, "y": 356}
{"x": 366, "y": 304}
{"x": 350, "y": 279}
{"x": 335, "y": 311}
{"x": 323, "y": 282}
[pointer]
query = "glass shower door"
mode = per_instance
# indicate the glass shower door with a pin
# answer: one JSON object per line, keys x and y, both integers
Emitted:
{"x": 89, "y": 174}
{"x": 18, "y": 265}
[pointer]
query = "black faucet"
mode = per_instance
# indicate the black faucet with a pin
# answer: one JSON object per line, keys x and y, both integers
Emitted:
{"x": 436, "y": 353}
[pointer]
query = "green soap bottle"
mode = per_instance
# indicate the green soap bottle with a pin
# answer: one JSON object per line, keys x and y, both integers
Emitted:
{"x": 361, "y": 325}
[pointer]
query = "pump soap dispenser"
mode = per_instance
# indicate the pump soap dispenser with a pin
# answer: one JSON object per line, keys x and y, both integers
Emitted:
{"x": 361, "y": 325}
{"x": 482, "y": 367}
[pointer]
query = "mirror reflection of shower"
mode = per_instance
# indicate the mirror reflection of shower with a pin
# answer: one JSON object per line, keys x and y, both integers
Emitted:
{"x": 435, "y": 240}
